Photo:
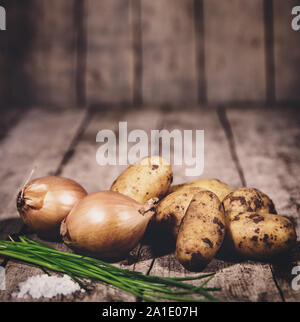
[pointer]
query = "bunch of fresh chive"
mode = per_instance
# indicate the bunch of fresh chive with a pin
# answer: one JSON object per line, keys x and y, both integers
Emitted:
{"x": 80, "y": 268}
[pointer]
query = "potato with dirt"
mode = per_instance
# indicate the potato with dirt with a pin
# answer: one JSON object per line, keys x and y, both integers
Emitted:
{"x": 148, "y": 178}
{"x": 247, "y": 199}
{"x": 172, "y": 208}
{"x": 259, "y": 235}
{"x": 201, "y": 232}
{"x": 218, "y": 187}
{"x": 253, "y": 228}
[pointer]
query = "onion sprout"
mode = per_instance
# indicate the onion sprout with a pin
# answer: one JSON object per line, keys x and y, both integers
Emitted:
{"x": 80, "y": 268}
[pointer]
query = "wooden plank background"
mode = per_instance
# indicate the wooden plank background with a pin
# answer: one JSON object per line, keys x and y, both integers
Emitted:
{"x": 287, "y": 52}
{"x": 109, "y": 52}
{"x": 50, "y": 65}
{"x": 74, "y": 53}
{"x": 234, "y": 50}
{"x": 169, "y": 63}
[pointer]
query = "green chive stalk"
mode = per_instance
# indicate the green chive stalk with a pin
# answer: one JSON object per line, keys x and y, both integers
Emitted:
{"x": 80, "y": 268}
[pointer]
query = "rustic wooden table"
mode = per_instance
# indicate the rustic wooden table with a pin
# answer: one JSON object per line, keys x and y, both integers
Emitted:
{"x": 258, "y": 147}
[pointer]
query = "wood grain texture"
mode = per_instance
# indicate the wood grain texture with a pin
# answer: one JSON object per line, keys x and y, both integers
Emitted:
{"x": 32, "y": 142}
{"x": 200, "y": 50}
{"x": 269, "y": 50}
{"x": 242, "y": 281}
{"x": 266, "y": 141}
{"x": 287, "y": 52}
{"x": 9, "y": 119}
{"x": 109, "y": 52}
{"x": 136, "y": 28}
{"x": 169, "y": 54}
{"x": 234, "y": 50}
{"x": 51, "y": 60}
{"x": 83, "y": 166}
{"x": 70, "y": 53}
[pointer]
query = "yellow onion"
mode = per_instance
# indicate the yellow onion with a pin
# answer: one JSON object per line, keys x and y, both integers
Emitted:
{"x": 107, "y": 224}
{"x": 44, "y": 202}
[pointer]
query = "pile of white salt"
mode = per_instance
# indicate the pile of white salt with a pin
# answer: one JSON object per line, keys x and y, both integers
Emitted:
{"x": 47, "y": 286}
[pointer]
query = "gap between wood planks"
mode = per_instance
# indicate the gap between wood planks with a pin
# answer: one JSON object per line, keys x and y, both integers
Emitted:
{"x": 71, "y": 149}
{"x": 225, "y": 123}
{"x": 66, "y": 157}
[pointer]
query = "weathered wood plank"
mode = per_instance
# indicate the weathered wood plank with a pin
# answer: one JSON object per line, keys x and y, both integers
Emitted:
{"x": 267, "y": 146}
{"x": 287, "y": 52}
{"x": 234, "y": 50}
{"x": 269, "y": 50}
{"x": 169, "y": 54}
{"x": 32, "y": 142}
{"x": 84, "y": 168}
{"x": 51, "y": 58}
{"x": 109, "y": 52}
{"x": 9, "y": 118}
{"x": 137, "y": 46}
{"x": 240, "y": 281}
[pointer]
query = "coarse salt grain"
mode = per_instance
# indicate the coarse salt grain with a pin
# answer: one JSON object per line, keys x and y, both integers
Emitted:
{"x": 47, "y": 286}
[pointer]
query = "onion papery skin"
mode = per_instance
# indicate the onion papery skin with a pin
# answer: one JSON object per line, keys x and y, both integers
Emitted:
{"x": 44, "y": 202}
{"x": 106, "y": 224}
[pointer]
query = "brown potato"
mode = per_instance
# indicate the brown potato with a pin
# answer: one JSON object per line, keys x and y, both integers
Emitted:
{"x": 218, "y": 187}
{"x": 201, "y": 232}
{"x": 259, "y": 235}
{"x": 148, "y": 178}
{"x": 172, "y": 209}
{"x": 248, "y": 200}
